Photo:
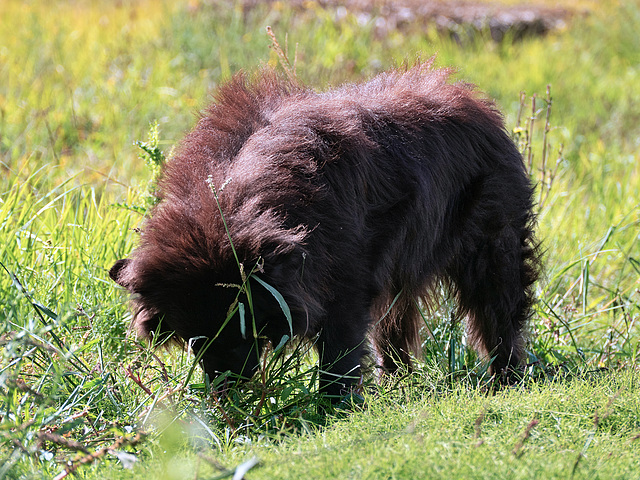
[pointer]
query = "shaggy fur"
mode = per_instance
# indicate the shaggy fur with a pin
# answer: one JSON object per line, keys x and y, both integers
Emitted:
{"x": 348, "y": 203}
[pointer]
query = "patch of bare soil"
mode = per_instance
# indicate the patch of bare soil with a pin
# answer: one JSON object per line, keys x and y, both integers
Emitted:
{"x": 460, "y": 19}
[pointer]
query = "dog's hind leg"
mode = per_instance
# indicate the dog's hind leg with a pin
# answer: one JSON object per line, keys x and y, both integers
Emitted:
{"x": 396, "y": 330}
{"x": 492, "y": 277}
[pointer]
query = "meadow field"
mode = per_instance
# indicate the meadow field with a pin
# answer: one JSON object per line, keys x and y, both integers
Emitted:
{"x": 91, "y": 92}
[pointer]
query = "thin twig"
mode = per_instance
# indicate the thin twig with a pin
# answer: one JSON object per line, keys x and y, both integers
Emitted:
{"x": 289, "y": 69}
{"x": 532, "y": 122}
{"x": 92, "y": 457}
{"x": 517, "y": 450}
{"x": 68, "y": 443}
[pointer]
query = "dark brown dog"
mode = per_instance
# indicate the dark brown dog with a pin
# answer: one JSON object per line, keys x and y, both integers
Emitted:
{"x": 352, "y": 204}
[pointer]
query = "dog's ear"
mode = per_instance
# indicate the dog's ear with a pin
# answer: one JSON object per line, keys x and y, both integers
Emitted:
{"x": 116, "y": 271}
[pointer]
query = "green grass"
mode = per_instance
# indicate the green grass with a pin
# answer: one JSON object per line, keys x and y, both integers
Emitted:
{"x": 81, "y": 82}
{"x": 579, "y": 428}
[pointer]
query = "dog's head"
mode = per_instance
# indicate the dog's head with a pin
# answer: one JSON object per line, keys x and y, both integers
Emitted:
{"x": 225, "y": 322}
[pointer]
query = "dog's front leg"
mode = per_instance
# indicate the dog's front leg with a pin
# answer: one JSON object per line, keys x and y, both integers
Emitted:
{"x": 341, "y": 347}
